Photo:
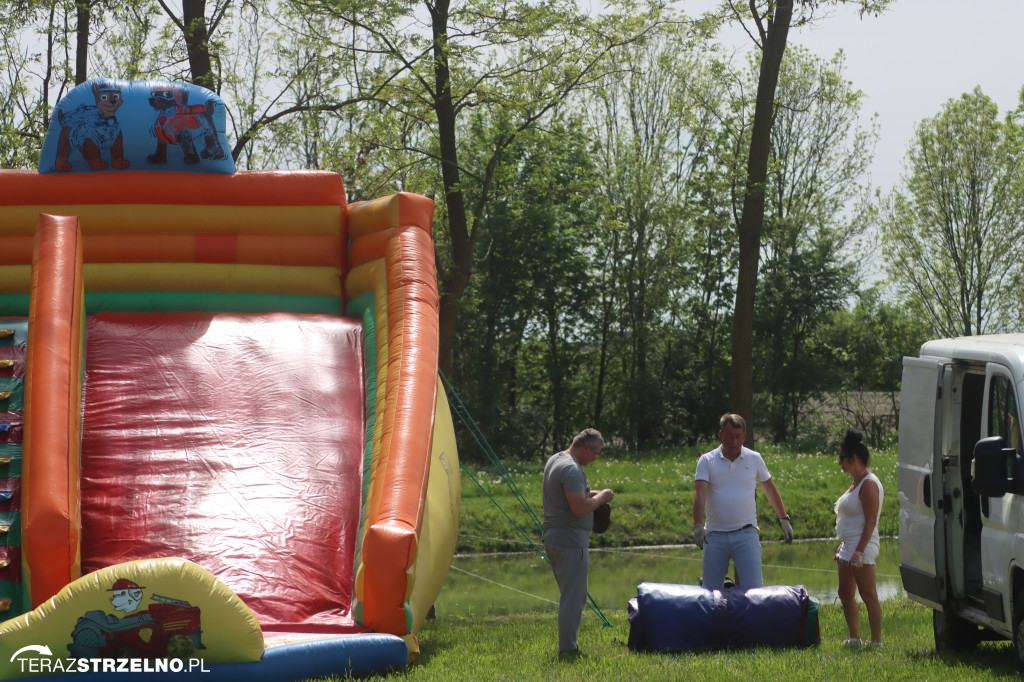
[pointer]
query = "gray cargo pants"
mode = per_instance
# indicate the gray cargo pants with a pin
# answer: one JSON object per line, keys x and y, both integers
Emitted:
{"x": 570, "y": 566}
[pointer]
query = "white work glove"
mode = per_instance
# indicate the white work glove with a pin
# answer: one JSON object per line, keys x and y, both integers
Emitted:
{"x": 700, "y": 536}
{"x": 787, "y": 528}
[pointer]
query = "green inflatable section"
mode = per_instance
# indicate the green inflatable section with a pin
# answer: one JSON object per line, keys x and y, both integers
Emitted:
{"x": 16, "y": 305}
{"x": 364, "y": 306}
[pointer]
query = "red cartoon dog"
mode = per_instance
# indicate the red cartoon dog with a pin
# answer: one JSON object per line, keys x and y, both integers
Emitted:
{"x": 191, "y": 127}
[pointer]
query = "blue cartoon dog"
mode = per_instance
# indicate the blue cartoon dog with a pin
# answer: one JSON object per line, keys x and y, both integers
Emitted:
{"x": 93, "y": 130}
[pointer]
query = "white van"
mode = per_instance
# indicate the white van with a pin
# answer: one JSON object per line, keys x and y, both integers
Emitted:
{"x": 961, "y": 488}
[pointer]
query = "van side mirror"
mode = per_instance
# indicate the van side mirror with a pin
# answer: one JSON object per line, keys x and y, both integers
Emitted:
{"x": 993, "y": 467}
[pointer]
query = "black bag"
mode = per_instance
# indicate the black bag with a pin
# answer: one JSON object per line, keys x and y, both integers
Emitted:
{"x": 602, "y": 518}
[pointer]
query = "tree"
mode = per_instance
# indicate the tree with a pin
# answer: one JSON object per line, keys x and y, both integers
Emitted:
{"x": 815, "y": 209}
{"x": 696, "y": 363}
{"x": 522, "y": 335}
{"x": 771, "y": 20}
{"x": 518, "y": 60}
{"x": 196, "y": 32}
{"x": 953, "y": 236}
{"x": 649, "y": 132}
{"x": 865, "y": 347}
{"x": 773, "y": 29}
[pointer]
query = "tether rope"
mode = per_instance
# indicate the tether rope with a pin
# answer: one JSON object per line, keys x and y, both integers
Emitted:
{"x": 455, "y": 402}
{"x": 686, "y": 558}
{"x": 507, "y": 587}
{"x": 634, "y": 551}
{"x": 647, "y": 551}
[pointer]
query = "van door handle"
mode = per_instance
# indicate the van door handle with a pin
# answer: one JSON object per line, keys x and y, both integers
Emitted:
{"x": 928, "y": 491}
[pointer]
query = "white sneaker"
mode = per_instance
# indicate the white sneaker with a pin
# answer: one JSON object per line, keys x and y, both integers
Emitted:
{"x": 853, "y": 641}
{"x": 874, "y": 643}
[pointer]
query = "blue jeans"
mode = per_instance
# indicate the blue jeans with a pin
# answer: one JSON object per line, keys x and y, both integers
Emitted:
{"x": 743, "y": 547}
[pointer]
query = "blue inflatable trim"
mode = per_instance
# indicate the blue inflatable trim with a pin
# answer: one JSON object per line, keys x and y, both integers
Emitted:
{"x": 107, "y": 125}
{"x": 348, "y": 655}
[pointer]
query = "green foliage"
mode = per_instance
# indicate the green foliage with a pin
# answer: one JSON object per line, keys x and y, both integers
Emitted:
{"x": 868, "y": 342}
{"x": 521, "y": 330}
{"x": 951, "y": 236}
{"x": 649, "y": 137}
{"x": 865, "y": 347}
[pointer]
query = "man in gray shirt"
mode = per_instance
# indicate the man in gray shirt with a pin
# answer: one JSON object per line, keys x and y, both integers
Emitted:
{"x": 569, "y": 508}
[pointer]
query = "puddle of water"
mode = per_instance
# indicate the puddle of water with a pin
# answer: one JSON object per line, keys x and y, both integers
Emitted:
{"x": 496, "y": 584}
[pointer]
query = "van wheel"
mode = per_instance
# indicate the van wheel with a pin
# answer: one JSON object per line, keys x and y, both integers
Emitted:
{"x": 953, "y": 633}
{"x": 1018, "y": 643}
{"x": 1018, "y": 628}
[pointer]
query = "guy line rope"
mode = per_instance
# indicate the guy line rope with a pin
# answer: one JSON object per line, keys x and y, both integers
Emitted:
{"x": 460, "y": 409}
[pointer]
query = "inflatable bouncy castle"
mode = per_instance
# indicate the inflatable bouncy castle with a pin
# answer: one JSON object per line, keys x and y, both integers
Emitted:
{"x": 223, "y": 441}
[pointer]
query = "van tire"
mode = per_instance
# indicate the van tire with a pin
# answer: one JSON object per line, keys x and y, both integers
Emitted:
{"x": 1018, "y": 628}
{"x": 1018, "y": 643}
{"x": 953, "y": 633}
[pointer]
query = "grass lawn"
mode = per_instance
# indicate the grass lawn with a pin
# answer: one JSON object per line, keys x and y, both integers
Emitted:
{"x": 523, "y": 647}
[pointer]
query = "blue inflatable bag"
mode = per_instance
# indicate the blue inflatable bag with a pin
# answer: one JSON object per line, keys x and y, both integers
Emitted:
{"x": 666, "y": 617}
{"x": 772, "y": 615}
{"x": 106, "y": 125}
{"x": 675, "y": 617}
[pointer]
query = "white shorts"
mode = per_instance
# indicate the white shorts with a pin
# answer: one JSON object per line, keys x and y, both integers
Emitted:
{"x": 848, "y": 547}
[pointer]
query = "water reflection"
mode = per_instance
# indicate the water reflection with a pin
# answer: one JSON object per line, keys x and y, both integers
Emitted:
{"x": 495, "y": 584}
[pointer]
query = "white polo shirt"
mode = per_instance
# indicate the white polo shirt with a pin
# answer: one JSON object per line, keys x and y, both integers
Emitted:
{"x": 732, "y": 487}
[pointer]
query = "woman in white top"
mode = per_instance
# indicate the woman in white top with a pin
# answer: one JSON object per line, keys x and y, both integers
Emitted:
{"x": 857, "y": 527}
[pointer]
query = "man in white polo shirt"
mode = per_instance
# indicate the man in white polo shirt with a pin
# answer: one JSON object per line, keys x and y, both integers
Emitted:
{"x": 726, "y": 486}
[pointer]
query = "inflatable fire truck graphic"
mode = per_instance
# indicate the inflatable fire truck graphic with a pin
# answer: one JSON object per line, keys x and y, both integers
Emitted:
{"x": 168, "y": 628}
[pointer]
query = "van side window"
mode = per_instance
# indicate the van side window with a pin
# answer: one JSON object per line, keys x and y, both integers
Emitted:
{"x": 1002, "y": 412}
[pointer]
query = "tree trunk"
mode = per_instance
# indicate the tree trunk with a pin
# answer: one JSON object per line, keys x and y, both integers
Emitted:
{"x": 556, "y": 372}
{"x": 773, "y": 49}
{"x": 455, "y": 281}
{"x": 84, "y": 14}
{"x": 197, "y": 42}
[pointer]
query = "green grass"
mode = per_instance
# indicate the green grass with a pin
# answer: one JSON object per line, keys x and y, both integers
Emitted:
{"x": 523, "y": 647}
{"x": 654, "y": 497}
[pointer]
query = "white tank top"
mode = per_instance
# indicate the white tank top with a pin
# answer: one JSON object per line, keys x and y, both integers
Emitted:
{"x": 850, "y": 512}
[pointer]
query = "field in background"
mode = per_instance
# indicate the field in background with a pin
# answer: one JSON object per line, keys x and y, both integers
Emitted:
{"x": 654, "y": 497}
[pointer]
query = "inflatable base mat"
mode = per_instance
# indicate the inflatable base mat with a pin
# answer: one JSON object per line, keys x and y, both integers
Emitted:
{"x": 664, "y": 617}
{"x": 171, "y": 619}
{"x": 345, "y": 656}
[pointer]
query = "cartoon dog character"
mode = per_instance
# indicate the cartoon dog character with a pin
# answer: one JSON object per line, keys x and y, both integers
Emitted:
{"x": 127, "y": 595}
{"x": 189, "y": 126}
{"x": 92, "y": 130}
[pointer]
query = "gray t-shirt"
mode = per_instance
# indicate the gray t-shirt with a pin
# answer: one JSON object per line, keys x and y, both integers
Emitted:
{"x": 562, "y": 528}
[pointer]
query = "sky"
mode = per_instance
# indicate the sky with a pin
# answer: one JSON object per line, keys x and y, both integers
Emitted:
{"x": 913, "y": 58}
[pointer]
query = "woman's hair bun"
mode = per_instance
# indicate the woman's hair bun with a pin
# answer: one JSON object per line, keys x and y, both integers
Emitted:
{"x": 853, "y": 438}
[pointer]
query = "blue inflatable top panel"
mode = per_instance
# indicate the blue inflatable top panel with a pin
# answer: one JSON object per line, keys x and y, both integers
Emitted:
{"x": 106, "y": 125}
